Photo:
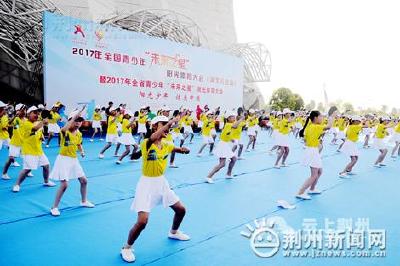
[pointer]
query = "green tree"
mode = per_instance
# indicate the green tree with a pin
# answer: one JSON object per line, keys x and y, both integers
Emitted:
{"x": 284, "y": 98}
{"x": 311, "y": 105}
{"x": 348, "y": 107}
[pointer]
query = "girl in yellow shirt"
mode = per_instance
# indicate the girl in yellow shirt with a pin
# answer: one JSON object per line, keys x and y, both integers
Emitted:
{"x": 112, "y": 130}
{"x": 396, "y": 140}
{"x": 283, "y": 139}
{"x": 67, "y": 166}
{"x": 16, "y": 140}
{"x": 276, "y": 119}
{"x": 380, "y": 135}
{"x": 207, "y": 125}
{"x": 126, "y": 137}
{"x": 153, "y": 188}
{"x": 224, "y": 147}
{"x": 350, "y": 146}
{"x": 312, "y": 131}
{"x": 142, "y": 121}
{"x": 96, "y": 123}
{"x": 53, "y": 127}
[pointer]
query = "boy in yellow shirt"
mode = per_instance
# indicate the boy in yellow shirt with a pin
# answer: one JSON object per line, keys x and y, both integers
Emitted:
{"x": 4, "y": 136}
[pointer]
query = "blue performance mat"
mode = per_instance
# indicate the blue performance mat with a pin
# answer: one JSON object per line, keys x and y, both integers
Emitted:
{"x": 217, "y": 214}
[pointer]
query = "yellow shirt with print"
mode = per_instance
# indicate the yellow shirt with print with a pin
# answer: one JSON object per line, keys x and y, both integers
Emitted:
{"x": 207, "y": 126}
{"x": 352, "y": 132}
{"x": 96, "y": 116}
{"x": 155, "y": 159}
{"x": 380, "y": 131}
{"x": 16, "y": 138}
{"x": 142, "y": 118}
{"x": 252, "y": 121}
{"x": 312, "y": 134}
{"x": 397, "y": 128}
{"x": 237, "y": 132}
{"x": 32, "y": 144}
{"x": 4, "y": 127}
{"x": 341, "y": 124}
{"x": 284, "y": 126}
{"x": 226, "y": 134}
{"x": 54, "y": 117}
{"x": 69, "y": 143}
{"x": 112, "y": 125}
{"x": 125, "y": 126}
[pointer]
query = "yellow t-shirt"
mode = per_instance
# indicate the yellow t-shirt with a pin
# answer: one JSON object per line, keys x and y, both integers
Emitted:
{"x": 4, "y": 127}
{"x": 125, "y": 126}
{"x": 352, "y": 132}
{"x": 187, "y": 120}
{"x": 155, "y": 159}
{"x": 96, "y": 116}
{"x": 312, "y": 133}
{"x": 237, "y": 132}
{"x": 142, "y": 118}
{"x": 32, "y": 144}
{"x": 380, "y": 131}
{"x": 16, "y": 138}
{"x": 226, "y": 134}
{"x": 69, "y": 143}
{"x": 252, "y": 121}
{"x": 341, "y": 124}
{"x": 397, "y": 128}
{"x": 54, "y": 117}
{"x": 284, "y": 126}
{"x": 112, "y": 126}
{"x": 207, "y": 126}
{"x": 275, "y": 123}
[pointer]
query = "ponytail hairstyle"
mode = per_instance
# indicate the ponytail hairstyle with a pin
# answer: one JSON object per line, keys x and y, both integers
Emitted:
{"x": 312, "y": 116}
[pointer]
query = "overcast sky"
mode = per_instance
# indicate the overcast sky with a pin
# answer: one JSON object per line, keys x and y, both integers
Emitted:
{"x": 353, "y": 46}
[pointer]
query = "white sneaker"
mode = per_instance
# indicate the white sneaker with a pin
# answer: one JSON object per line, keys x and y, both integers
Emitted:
{"x": 229, "y": 177}
{"x": 47, "y": 146}
{"x": 303, "y": 196}
{"x": 178, "y": 236}
{"x": 115, "y": 155}
{"x": 16, "y": 188}
{"x": 209, "y": 180}
{"x": 314, "y": 192}
{"x": 16, "y": 164}
{"x": 247, "y": 150}
{"x": 101, "y": 139}
{"x": 382, "y": 164}
{"x": 284, "y": 165}
{"x": 30, "y": 174}
{"x": 5, "y": 177}
{"x": 342, "y": 175}
{"x": 91, "y": 140}
{"x": 55, "y": 212}
{"x": 101, "y": 156}
{"x": 173, "y": 166}
{"x": 277, "y": 167}
{"x": 351, "y": 173}
{"x": 118, "y": 162}
{"x": 127, "y": 255}
{"x": 377, "y": 165}
{"x": 199, "y": 155}
{"x": 87, "y": 204}
{"x": 49, "y": 184}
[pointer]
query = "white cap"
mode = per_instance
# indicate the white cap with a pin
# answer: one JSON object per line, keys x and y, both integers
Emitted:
{"x": 41, "y": 106}
{"x": 2, "y": 104}
{"x": 279, "y": 113}
{"x": 210, "y": 113}
{"x": 143, "y": 107}
{"x": 72, "y": 114}
{"x": 231, "y": 113}
{"x": 385, "y": 118}
{"x": 19, "y": 107}
{"x": 356, "y": 118}
{"x": 97, "y": 107}
{"x": 129, "y": 112}
{"x": 251, "y": 111}
{"x": 166, "y": 108}
{"x": 159, "y": 118}
{"x": 286, "y": 111}
{"x": 31, "y": 109}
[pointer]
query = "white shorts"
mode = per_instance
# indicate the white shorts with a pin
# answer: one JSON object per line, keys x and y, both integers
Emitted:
{"x": 238, "y": 142}
{"x": 142, "y": 128}
{"x": 113, "y": 138}
{"x": 379, "y": 144}
{"x": 207, "y": 140}
{"x": 32, "y": 162}
{"x": 14, "y": 151}
{"x": 283, "y": 140}
{"x": 187, "y": 129}
{"x": 176, "y": 136}
{"x": 221, "y": 125}
{"x": 126, "y": 139}
{"x": 224, "y": 150}
{"x": 96, "y": 124}
{"x": 276, "y": 136}
{"x": 151, "y": 192}
{"x": 367, "y": 131}
{"x": 341, "y": 135}
{"x": 251, "y": 131}
{"x": 200, "y": 124}
{"x": 54, "y": 128}
{"x": 4, "y": 142}
{"x": 395, "y": 137}
{"x": 298, "y": 125}
{"x": 390, "y": 130}
{"x": 312, "y": 157}
{"x": 66, "y": 168}
{"x": 350, "y": 148}
{"x": 213, "y": 132}
{"x": 332, "y": 130}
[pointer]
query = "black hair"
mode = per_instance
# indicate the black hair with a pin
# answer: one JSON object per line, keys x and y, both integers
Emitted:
{"x": 109, "y": 103}
{"x": 312, "y": 116}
